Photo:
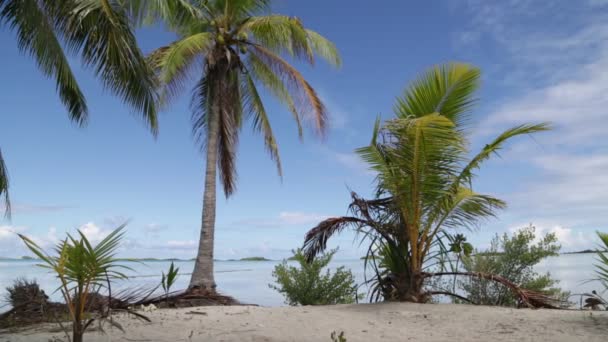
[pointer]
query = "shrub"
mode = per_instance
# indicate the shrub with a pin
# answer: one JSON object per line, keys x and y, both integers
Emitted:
{"x": 513, "y": 258}
{"x": 308, "y": 285}
{"x": 25, "y": 292}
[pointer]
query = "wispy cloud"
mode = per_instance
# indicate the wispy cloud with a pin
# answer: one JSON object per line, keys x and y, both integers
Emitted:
{"x": 570, "y": 239}
{"x": 282, "y": 219}
{"x": 155, "y": 227}
{"x": 28, "y": 208}
{"x": 554, "y": 70}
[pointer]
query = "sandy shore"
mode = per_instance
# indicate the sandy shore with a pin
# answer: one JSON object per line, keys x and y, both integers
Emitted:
{"x": 364, "y": 322}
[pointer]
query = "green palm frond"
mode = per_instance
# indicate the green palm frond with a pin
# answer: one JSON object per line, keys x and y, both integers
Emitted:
{"x": 174, "y": 64}
{"x": 100, "y": 32}
{"x": 466, "y": 208}
{"x": 298, "y": 86}
{"x": 36, "y": 37}
{"x": 175, "y": 13}
{"x": 445, "y": 89}
{"x": 602, "y": 259}
{"x": 4, "y": 185}
{"x": 324, "y": 48}
{"x": 261, "y": 123}
{"x": 230, "y": 123}
{"x": 496, "y": 145}
{"x": 263, "y": 74}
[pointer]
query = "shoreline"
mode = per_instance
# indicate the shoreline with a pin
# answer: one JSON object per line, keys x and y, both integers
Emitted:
{"x": 360, "y": 322}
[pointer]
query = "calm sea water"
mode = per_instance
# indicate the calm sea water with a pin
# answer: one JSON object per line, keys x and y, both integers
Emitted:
{"x": 248, "y": 281}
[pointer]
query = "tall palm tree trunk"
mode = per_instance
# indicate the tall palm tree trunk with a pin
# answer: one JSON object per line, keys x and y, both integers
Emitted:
{"x": 202, "y": 275}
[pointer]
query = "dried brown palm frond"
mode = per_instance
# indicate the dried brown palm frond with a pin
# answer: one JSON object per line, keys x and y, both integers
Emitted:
{"x": 527, "y": 298}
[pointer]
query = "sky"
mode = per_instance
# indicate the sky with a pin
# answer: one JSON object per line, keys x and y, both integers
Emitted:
{"x": 541, "y": 61}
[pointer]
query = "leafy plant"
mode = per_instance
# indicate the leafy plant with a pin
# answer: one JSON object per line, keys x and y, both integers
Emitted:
{"x": 169, "y": 279}
{"x": 337, "y": 337}
{"x": 307, "y": 285}
{"x": 82, "y": 270}
{"x": 602, "y": 259}
{"x": 232, "y": 48}
{"x": 513, "y": 258}
{"x": 459, "y": 246}
{"x": 424, "y": 178}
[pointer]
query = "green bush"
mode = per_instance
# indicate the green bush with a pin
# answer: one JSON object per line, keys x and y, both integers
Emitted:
{"x": 309, "y": 285}
{"x": 513, "y": 258}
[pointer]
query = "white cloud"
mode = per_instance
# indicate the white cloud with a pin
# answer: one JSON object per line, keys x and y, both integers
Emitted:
{"x": 283, "y": 219}
{"x": 353, "y": 162}
{"x": 570, "y": 239}
{"x": 93, "y": 232}
{"x": 155, "y": 227}
{"x": 182, "y": 244}
{"x": 10, "y": 232}
{"x": 577, "y": 106}
{"x": 298, "y": 218}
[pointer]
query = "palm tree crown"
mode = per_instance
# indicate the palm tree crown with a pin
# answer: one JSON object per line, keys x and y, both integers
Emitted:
{"x": 231, "y": 51}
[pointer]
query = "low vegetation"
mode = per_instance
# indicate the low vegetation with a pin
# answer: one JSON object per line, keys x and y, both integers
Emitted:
{"x": 82, "y": 271}
{"x": 514, "y": 258}
{"x": 168, "y": 279}
{"x": 602, "y": 259}
{"x": 309, "y": 285}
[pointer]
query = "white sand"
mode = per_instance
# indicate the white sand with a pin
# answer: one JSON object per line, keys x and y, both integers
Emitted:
{"x": 364, "y": 322}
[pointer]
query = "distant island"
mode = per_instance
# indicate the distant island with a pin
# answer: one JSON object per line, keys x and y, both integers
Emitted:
{"x": 585, "y": 251}
{"x": 255, "y": 258}
{"x": 17, "y": 259}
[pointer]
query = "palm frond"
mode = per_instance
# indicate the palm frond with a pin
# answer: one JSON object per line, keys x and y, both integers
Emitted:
{"x": 495, "y": 146}
{"x": 100, "y": 32}
{"x": 315, "y": 241}
{"x": 200, "y": 106}
{"x": 175, "y": 13}
{"x": 324, "y": 48}
{"x": 4, "y": 185}
{"x": 230, "y": 123}
{"x": 261, "y": 123}
{"x": 174, "y": 64}
{"x": 263, "y": 74}
{"x": 602, "y": 259}
{"x": 445, "y": 89}
{"x": 310, "y": 102}
{"x": 36, "y": 37}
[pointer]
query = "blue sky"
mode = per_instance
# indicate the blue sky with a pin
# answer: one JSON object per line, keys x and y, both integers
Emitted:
{"x": 95, "y": 178}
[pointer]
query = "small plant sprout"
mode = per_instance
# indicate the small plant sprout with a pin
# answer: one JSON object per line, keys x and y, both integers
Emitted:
{"x": 338, "y": 337}
{"x": 169, "y": 279}
{"x": 82, "y": 271}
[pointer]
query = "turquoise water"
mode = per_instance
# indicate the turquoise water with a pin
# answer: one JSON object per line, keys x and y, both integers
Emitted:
{"x": 248, "y": 281}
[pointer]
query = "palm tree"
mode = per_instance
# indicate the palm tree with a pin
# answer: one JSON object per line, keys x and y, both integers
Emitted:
{"x": 99, "y": 32}
{"x": 231, "y": 47}
{"x": 424, "y": 181}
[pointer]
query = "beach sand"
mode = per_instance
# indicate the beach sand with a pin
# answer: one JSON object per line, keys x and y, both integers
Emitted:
{"x": 362, "y": 322}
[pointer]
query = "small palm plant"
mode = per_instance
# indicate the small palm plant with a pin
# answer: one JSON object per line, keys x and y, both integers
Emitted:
{"x": 424, "y": 182}
{"x": 602, "y": 258}
{"x": 169, "y": 279}
{"x": 82, "y": 270}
